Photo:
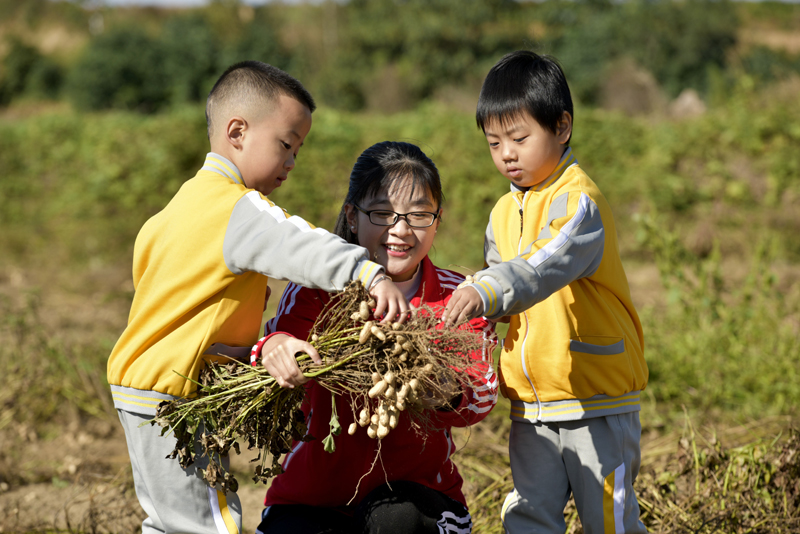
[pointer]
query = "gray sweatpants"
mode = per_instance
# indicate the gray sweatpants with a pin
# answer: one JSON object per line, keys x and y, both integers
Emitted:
{"x": 595, "y": 459}
{"x": 176, "y": 500}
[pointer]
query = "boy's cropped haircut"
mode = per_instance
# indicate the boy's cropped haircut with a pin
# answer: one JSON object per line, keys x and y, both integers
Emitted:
{"x": 524, "y": 81}
{"x": 252, "y": 84}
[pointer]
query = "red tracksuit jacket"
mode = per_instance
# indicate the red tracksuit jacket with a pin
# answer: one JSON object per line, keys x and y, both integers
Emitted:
{"x": 317, "y": 478}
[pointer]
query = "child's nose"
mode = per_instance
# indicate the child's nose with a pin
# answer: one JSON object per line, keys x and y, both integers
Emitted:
{"x": 508, "y": 152}
{"x": 401, "y": 227}
{"x": 289, "y": 163}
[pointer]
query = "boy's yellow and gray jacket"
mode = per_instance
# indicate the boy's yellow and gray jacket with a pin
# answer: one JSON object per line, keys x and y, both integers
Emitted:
{"x": 574, "y": 347}
{"x": 200, "y": 272}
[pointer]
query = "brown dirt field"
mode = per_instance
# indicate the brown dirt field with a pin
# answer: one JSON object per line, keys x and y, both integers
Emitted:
{"x": 77, "y": 477}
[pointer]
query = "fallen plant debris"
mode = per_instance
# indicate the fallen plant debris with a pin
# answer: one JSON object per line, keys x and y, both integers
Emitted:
{"x": 700, "y": 487}
{"x": 709, "y": 489}
{"x": 388, "y": 372}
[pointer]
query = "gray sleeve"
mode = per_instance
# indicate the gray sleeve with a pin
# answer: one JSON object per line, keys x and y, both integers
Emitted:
{"x": 261, "y": 238}
{"x": 575, "y": 252}
{"x": 490, "y": 253}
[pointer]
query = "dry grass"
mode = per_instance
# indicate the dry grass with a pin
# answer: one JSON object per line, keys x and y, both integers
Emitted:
{"x": 724, "y": 480}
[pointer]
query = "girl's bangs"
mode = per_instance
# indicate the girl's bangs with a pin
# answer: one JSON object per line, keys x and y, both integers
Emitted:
{"x": 420, "y": 179}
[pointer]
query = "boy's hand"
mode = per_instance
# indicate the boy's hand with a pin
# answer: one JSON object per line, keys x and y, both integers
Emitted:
{"x": 278, "y": 355}
{"x": 465, "y": 304}
{"x": 389, "y": 300}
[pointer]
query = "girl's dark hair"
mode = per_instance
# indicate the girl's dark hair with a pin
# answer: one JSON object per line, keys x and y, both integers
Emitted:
{"x": 524, "y": 81}
{"x": 376, "y": 170}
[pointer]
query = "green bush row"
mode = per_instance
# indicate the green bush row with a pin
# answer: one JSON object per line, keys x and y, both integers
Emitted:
{"x": 106, "y": 173}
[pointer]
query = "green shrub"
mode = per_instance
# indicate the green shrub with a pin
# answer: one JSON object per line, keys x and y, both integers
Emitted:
{"x": 122, "y": 68}
{"x": 679, "y": 42}
{"x": 415, "y": 47}
{"x": 767, "y": 65}
{"x": 27, "y": 72}
{"x": 257, "y": 41}
{"x": 190, "y": 56}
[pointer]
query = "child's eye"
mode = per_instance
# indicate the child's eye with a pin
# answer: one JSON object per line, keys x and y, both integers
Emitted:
{"x": 520, "y": 139}
{"x": 286, "y": 145}
{"x": 493, "y": 144}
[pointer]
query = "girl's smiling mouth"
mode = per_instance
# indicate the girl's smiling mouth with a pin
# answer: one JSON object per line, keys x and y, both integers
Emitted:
{"x": 397, "y": 249}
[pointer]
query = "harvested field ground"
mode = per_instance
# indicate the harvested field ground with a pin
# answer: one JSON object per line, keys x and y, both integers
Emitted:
{"x": 73, "y": 473}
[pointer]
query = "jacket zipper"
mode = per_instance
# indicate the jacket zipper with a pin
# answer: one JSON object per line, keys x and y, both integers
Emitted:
{"x": 521, "y": 220}
{"x": 525, "y": 315}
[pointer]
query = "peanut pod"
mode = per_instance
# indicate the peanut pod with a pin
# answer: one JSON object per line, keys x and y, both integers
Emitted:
{"x": 363, "y": 417}
{"x": 365, "y": 332}
{"x": 377, "y": 332}
{"x": 378, "y": 389}
{"x": 403, "y": 393}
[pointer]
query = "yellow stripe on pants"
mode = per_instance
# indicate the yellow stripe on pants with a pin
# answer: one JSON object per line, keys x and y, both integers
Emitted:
{"x": 608, "y": 504}
{"x": 226, "y": 514}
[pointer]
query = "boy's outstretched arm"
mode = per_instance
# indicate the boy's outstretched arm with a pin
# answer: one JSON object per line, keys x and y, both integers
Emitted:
{"x": 569, "y": 247}
{"x": 261, "y": 237}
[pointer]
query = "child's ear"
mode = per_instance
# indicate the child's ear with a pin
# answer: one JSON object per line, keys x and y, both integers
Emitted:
{"x": 564, "y": 128}
{"x": 352, "y": 217}
{"x": 234, "y": 131}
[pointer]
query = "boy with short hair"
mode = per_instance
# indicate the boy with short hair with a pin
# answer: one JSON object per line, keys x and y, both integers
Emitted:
{"x": 200, "y": 271}
{"x": 572, "y": 362}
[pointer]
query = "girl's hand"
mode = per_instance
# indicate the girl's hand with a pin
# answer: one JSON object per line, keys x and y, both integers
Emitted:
{"x": 279, "y": 357}
{"x": 389, "y": 300}
{"x": 465, "y": 304}
{"x": 443, "y": 396}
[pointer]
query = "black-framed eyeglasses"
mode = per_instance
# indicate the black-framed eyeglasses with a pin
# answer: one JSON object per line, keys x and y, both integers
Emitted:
{"x": 415, "y": 219}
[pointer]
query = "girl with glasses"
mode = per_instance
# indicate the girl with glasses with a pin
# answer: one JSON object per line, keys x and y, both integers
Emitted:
{"x": 393, "y": 209}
